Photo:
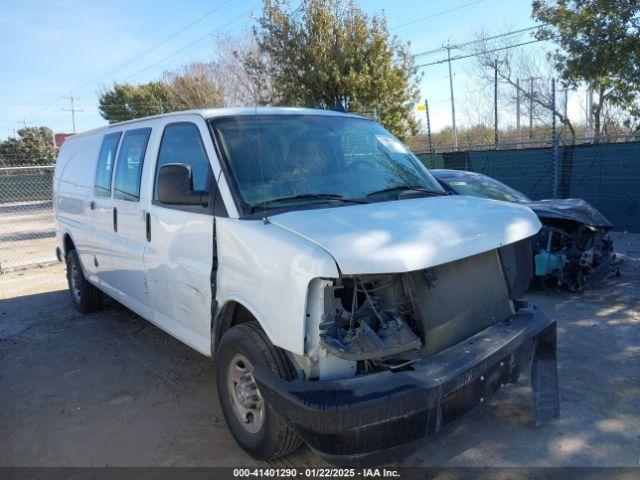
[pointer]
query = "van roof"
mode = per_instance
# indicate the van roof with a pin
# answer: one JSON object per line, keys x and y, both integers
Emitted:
{"x": 208, "y": 113}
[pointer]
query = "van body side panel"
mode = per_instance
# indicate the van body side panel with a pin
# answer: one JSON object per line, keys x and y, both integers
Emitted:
{"x": 101, "y": 244}
{"x": 102, "y": 216}
{"x": 268, "y": 270}
{"x": 178, "y": 267}
{"x": 73, "y": 193}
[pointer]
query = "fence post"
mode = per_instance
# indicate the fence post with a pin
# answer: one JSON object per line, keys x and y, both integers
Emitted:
{"x": 431, "y": 149}
{"x": 554, "y": 135}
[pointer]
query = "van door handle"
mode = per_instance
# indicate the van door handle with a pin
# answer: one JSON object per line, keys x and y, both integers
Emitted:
{"x": 92, "y": 205}
{"x": 115, "y": 219}
{"x": 148, "y": 219}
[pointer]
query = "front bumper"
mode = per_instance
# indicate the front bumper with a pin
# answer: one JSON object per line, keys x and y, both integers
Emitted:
{"x": 606, "y": 269}
{"x": 383, "y": 417}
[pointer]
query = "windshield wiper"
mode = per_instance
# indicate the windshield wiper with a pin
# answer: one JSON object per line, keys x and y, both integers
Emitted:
{"x": 307, "y": 196}
{"x": 402, "y": 188}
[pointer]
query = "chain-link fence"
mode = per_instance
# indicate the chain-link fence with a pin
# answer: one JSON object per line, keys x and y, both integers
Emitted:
{"x": 27, "y": 235}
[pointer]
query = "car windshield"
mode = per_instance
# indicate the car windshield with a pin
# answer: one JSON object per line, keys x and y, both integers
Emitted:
{"x": 483, "y": 186}
{"x": 294, "y": 159}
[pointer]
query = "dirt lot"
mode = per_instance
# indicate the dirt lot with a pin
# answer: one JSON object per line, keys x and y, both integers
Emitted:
{"x": 111, "y": 389}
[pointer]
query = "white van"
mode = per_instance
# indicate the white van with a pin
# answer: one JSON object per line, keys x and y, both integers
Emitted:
{"x": 348, "y": 301}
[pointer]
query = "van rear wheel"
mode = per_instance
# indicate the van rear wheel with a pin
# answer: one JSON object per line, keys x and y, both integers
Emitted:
{"x": 257, "y": 428}
{"x": 85, "y": 297}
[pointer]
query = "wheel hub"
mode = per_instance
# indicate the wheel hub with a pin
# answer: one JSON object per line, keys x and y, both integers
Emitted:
{"x": 74, "y": 277}
{"x": 247, "y": 391}
{"x": 246, "y": 399}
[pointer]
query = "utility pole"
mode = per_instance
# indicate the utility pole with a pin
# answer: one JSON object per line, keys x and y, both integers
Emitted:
{"x": 518, "y": 111}
{"x": 24, "y": 122}
{"x": 565, "y": 91}
{"x": 554, "y": 133}
{"x": 495, "y": 102}
{"x": 531, "y": 80}
{"x": 73, "y": 110}
{"x": 590, "y": 111}
{"x": 586, "y": 112}
{"x": 448, "y": 46}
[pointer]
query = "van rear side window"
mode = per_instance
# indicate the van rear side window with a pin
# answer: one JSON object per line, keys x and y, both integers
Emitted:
{"x": 129, "y": 166}
{"x": 106, "y": 159}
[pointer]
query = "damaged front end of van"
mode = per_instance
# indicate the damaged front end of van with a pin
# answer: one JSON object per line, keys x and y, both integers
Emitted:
{"x": 393, "y": 357}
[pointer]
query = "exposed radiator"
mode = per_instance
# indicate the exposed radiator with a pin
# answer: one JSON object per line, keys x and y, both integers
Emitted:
{"x": 457, "y": 300}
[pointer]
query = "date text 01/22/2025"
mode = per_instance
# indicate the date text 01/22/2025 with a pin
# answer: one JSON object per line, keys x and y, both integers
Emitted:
{"x": 316, "y": 472}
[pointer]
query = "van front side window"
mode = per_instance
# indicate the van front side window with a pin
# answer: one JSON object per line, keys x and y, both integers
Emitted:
{"x": 106, "y": 159}
{"x": 181, "y": 143}
{"x": 129, "y": 167}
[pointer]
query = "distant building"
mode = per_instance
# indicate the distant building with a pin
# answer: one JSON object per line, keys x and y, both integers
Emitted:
{"x": 59, "y": 138}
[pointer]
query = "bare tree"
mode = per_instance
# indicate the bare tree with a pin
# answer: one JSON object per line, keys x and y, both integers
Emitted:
{"x": 527, "y": 75}
{"x": 195, "y": 85}
{"x": 222, "y": 81}
{"x": 241, "y": 85}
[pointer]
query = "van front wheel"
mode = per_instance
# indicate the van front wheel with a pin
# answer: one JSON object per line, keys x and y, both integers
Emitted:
{"x": 86, "y": 298}
{"x": 255, "y": 426}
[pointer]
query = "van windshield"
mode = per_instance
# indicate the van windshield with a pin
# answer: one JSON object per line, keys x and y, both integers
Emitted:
{"x": 280, "y": 160}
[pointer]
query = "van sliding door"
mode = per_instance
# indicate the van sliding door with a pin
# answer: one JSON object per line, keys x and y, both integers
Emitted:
{"x": 128, "y": 223}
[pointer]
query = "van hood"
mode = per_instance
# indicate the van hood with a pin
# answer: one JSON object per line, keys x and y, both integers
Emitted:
{"x": 411, "y": 234}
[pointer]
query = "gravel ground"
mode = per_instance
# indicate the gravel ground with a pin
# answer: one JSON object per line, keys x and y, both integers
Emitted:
{"x": 111, "y": 389}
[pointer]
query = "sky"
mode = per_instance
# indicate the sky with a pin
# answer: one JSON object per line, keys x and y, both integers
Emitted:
{"x": 52, "y": 49}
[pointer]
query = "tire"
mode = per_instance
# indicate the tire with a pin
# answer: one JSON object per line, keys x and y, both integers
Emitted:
{"x": 85, "y": 297}
{"x": 266, "y": 436}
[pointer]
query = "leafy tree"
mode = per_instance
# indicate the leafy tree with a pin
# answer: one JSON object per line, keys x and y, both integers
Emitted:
{"x": 599, "y": 44}
{"x": 329, "y": 52}
{"x": 125, "y": 101}
{"x": 33, "y": 146}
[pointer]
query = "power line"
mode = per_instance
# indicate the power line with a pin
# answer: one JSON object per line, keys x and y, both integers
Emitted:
{"x": 166, "y": 39}
{"x": 461, "y": 57}
{"x": 472, "y": 42}
{"x": 506, "y": 34}
{"x": 444, "y": 12}
{"x": 429, "y": 52}
{"x": 186, "y": 47}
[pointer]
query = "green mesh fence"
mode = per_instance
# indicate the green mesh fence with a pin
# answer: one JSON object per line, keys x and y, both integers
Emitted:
{"x": 607, "y": 175}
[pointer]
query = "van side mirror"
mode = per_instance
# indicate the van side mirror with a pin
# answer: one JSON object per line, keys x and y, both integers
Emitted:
{"x": 175, "y": 186}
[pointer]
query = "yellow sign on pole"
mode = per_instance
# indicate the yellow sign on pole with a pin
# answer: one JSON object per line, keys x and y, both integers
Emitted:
{"x": 422, "y": 107}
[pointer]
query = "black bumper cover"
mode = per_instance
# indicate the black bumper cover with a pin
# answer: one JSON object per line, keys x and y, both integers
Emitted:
{"x": 384, "y": 417}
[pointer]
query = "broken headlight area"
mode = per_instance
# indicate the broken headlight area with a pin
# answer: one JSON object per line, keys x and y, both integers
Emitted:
{"x": 388, "y": 321}
{"x": 572, "y": 254}
{"x": 367, "y": 318}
